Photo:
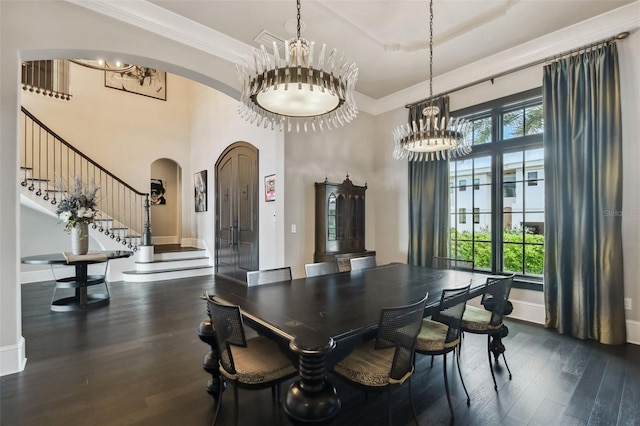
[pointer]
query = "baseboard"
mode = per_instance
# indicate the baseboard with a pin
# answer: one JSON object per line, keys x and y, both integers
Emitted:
{"x": 36, "y": 276}
{"x": 633, "y": 332}
{"x": 12, "y": 358}
{"x": 535, "y": 313}
{"x": 165, "y": 240}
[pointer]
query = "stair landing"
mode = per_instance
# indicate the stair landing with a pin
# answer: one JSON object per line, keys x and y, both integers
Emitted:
{"x": 171, "y": 261}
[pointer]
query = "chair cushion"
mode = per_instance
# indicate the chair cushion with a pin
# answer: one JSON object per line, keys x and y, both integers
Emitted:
{"x": 261, "y": 361}
{"x": 477, "y": 320}
{"x": 368, "y": 366}
{"x": 432, "y": 337}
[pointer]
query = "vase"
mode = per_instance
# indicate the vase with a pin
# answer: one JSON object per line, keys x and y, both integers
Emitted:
{"x": 80, "y": 238}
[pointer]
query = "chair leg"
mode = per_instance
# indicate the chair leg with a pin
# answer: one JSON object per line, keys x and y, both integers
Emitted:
{"x": 446, "y": 384}
{"x": 235, "y": 404}
{"x": 389, "y": 405}
{"x": 218, "y": 407}
{"x": 457, "y": 355}
{"x": 506, "y": 365}
{"x": 495, "y": 385}
{"x": 413, "y": 406}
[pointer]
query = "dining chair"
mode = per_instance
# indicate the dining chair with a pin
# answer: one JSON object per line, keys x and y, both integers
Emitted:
{"x": 266, "y": 276}
{"x": 386, "y": 361}
{"x": 441, "y": 334}
{"x": 451, "y": 263}
{"x": 364, "y": 262}
{"x": 489, "y": 318}
{"x": 255, "y": 363}
{"x": 320, "y": 268}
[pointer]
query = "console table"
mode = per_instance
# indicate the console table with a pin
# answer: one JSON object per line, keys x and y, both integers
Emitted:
{"x": 81, "y": 280}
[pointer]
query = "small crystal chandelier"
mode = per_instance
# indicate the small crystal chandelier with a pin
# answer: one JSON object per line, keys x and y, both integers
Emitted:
{"x": 295, "y": 92}
{"x": 432, "y": 138}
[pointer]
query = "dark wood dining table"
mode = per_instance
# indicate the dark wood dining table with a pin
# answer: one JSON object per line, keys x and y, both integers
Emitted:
{"x": 319, "y": 320}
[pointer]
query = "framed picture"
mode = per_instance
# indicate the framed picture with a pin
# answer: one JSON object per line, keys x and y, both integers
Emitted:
{"x": 139, "y": 80}
{"x": 270, "y": 188}
{"x": 200, "y": 188}
{"x": 158, "y": 189}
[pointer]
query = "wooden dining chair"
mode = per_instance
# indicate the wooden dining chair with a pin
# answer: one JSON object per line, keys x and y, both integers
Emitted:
{"x": 451, "y": 263}
{"x": 365, "y": 262}
{"x": 488, "y": 318}
{"x": 386, "y": 361}
{"x": 266, "y": 276}
{"x": 256, "y": 363}
{"x": 440, "y": 335}
{"x": 320, "y": 268}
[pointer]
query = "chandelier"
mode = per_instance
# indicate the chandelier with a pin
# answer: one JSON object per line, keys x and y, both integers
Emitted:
{"x": 298, "y": 91}
{"x": 431, "y": 138}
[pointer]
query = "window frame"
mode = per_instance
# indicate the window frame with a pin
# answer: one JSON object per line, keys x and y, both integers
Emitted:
{"x": 495, "y": 149}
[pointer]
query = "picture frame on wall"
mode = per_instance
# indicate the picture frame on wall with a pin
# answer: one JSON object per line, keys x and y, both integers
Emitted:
{"x": 139, "y": 80}
{"x": 200, "y": 191}
{"x": 270, "y": 188}
{"x": 158, "y": 192}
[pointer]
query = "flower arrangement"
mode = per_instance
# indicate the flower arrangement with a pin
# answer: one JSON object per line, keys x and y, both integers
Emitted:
{"x": 79, "y": 204}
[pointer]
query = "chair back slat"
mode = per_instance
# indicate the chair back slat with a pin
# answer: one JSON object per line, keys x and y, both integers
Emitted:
{"x": 267, "y": 276}
{"x": 228, "y": 328}
{"x": 320, "y": 268}
{"x": 451, "y": 309}
{"x": 364, "y": 262}
{"x": 399, "y": 327}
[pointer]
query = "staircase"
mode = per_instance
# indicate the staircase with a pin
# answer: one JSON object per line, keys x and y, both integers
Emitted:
{"x": 123, "y": 212}
{"x": 171, "y": 261}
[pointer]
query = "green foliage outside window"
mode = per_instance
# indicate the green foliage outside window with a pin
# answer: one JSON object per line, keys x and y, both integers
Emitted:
{"x": 463, "y": 247}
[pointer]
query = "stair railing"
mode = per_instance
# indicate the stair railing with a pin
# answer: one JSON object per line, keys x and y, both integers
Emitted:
{"x": 47, "y": 159}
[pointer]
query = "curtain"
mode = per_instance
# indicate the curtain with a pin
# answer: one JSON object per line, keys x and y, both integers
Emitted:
{"x": 583, "y": 279}
{"x": 428, "y": 200}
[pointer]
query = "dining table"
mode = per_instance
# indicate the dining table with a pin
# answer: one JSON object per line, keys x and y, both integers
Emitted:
{"x": 319, "y": 320}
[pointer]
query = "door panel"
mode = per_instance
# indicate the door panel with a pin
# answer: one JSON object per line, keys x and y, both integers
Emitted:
{"x": 237, "y": 211}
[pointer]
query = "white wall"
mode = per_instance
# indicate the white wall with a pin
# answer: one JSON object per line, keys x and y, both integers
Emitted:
{"x": 215, "y": 124}
{"x": 54, "y": 29}
{"x": 312, "y": 157}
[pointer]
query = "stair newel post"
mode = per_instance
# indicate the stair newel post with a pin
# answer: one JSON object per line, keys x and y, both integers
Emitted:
{"x": 146, "y": 249}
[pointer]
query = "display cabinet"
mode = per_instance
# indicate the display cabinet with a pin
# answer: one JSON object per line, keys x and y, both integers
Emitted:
{"x": 340, "y": 220}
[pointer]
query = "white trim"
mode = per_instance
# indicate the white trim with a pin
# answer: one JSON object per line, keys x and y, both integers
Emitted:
{"x": 527, "y": 311}
{"x": 633, "y": 332}
{"x": 12, "y": 358}
{"x": 36, "y": 276}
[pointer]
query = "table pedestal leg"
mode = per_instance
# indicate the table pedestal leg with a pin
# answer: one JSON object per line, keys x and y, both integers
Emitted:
{"x": 216, "y": 384}
{"x": 312, "y": 399}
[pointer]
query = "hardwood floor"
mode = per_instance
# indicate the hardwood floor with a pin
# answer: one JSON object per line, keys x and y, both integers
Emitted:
{"x": 139, "y": 361}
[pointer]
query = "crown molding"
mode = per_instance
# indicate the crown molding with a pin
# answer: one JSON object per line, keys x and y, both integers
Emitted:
{"x": 610, "y": 24}
{"x": 155, "y": 19}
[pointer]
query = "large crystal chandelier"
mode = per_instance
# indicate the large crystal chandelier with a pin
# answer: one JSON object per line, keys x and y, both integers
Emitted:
{"x": 297, "y": 91}
{"x": 431, "y": 138}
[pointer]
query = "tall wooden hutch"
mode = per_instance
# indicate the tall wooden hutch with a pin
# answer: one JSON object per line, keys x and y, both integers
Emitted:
{"x": 340, "y": 221}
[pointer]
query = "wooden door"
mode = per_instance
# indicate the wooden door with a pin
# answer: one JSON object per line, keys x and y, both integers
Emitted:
{"x": 237, "y": 211}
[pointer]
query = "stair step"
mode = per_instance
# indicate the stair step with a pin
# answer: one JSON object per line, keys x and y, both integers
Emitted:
{"x": 176, "y": 255}
{"x": 182, "y": 263}
{"x": 182, "y": 259}
{"x": 166, "y": 274}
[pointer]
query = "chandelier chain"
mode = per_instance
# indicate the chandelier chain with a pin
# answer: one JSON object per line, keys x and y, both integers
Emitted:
{"x": 298, "y": 18}
{"x": 431, "y": 51}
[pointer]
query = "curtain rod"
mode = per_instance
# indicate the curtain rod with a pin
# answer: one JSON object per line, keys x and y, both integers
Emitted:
{"x": 620, "y": 36}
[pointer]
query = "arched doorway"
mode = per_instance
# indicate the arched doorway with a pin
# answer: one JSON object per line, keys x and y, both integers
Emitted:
{"x": 237, "y": 211}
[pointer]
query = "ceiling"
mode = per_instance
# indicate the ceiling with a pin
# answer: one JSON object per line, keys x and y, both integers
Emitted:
{"x": 388, "y": 40}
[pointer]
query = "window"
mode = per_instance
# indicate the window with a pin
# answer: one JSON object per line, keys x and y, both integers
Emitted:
{"x": 507, "y": 233}
{"x": 462, "y": 216}
{"x": 463, "y": 184}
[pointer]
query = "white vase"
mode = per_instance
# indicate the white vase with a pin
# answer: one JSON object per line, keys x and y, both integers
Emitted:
{"x": 80, "y": 238}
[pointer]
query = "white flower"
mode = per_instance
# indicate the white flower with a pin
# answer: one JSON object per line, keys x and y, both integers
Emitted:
{"x": 65, "y": 216}
{"x": 85, "y": 212}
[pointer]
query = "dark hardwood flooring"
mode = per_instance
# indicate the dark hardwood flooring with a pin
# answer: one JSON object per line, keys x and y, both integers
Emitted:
{"x": 138, "y": 361}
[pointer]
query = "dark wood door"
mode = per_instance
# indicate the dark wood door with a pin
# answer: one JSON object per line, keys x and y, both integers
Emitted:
{"x": 237, "y": 211}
